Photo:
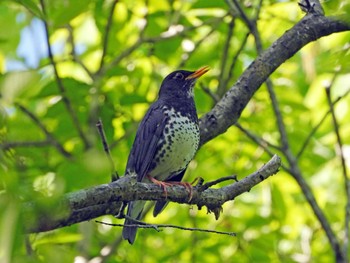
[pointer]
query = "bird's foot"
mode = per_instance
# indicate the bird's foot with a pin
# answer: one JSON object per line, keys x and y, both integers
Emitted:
{"x": 189, "y": 188}
{"x": 164, "y": 185}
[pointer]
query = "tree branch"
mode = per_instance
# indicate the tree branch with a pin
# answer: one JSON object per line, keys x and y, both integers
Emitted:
{"x": 108, "y": 199}
{"x": 106, "y": 35}
{"x": 75, "y": 57}
{"x": 158, "y": 227}
{"x": 344, "y": 170}
{"x": 15, "y": 144}
{"x": 227, "y": 111}
{"x": 67, "y": 103}
{"x": 225, "y": 55}
{"x": 101, "y": 132}
{"x": 49, "y": 137}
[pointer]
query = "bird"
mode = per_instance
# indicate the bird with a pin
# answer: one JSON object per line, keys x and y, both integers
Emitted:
{"x": 166, "y": 141}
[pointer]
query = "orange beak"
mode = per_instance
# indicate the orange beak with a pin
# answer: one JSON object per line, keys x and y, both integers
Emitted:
{"x": 198, "y": 73}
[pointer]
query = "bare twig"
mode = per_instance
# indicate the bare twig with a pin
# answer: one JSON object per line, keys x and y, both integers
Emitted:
{"x": 48, "y": 135}
{"x": 234, "y": 61}
{"x": 73, "y": 53}
{"x": 197, "y": 44}
{"x": 262, "y": 142}
{"x": 14, "y": 144}
{"x": 220, "y": 180}
{"x": 211, "y": 94}
{"x": 162, "y": 37}
{"x": 345, "y": 174}
{"x": 145, "y": 19}
{"x": 106, "y": 35}
{"x": 60, "y": 85}
{"x": 222, "y": 88}
{"x": 114, "y": 173}
{"x": 121, "y": 56}
{"x": 318, "y": 125}
{"x": 157, "y": 227}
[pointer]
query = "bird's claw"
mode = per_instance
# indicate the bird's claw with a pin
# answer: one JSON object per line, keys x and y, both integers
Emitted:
{"x": 164, "y": 185}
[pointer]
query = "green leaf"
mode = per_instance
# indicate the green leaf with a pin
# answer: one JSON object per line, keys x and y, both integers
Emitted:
{"x": 61, "y": 13}
{"x": 31, "y": 6}
{"x": 20, "y": 85}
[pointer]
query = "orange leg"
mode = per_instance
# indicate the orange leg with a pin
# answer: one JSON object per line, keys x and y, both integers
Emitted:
{"x": 188, "y": 187}
{"x": 164, "y": 185}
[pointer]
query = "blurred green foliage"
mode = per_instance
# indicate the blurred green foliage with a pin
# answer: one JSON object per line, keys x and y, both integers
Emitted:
{"x": 146, "y": 41}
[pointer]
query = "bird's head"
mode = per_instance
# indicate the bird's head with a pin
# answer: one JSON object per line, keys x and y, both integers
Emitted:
{"x": 179, "y": 84}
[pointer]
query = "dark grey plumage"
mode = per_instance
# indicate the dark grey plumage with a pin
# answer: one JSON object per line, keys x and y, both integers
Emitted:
{"x": 166, "y": 140}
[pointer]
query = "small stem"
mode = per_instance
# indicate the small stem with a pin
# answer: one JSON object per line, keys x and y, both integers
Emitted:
{"x": 60, "y": 85}
{"x": 106, "y": 35}
{"x": 48, "y": 135}
{"x": 345, "y": 175}
{"x": 222, "y": 88}
{"x": 114, "y": 173}
{"x": 157, "y": 227}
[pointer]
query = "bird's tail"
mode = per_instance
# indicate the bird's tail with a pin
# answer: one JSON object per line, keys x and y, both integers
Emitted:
{"x": 134, "y": 211}
{"x": 159, "y": 207}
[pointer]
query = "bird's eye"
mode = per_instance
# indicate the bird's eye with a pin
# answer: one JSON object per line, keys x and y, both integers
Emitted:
{"x": 178, "y": 75}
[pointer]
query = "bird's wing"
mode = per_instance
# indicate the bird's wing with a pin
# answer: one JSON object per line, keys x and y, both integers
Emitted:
{"x": 146, "y": 141}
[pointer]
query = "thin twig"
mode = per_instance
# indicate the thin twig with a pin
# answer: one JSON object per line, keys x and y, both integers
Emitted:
{"x": 318, "y": 125}
{"x": 198, "y": 44}
{"x": 227, "y": 46}
{"x": 60, "y": 85}
{"x": 106, "y": 35}
{"x": 213, "y": 95}
{"x": 73, "y": 53}
{"x": 158, "y": 226}
{"x": 145, "y": 18}
{"x": 48, "y": 135}
{"x": 220, "y": 180}
{"x": 345, "y": 174}
{"x": 113, "y": 246}
{"x": 119, "y": 58}
{"x": 114, "y": 173}
{"x": 165, "y": 35}
{"x": 262, "y": 142}
{"x": 156, "y": 39}
{"x": 234, "y": 60}
{"x": 19, "y": 144}
{"x": 14, "y": 144}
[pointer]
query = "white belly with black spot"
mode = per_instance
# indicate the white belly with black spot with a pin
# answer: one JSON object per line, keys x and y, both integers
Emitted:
{"x": 179, "y": 145}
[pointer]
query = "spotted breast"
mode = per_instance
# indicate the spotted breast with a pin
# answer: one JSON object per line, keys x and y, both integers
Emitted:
{"x": 177, "y": 146}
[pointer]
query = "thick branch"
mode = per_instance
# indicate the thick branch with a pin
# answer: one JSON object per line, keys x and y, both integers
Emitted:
{"x": 227, "y": 111}
{"x": 108, "y": 198}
